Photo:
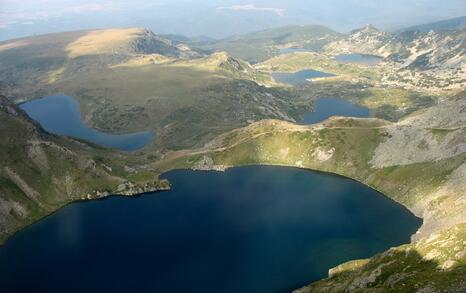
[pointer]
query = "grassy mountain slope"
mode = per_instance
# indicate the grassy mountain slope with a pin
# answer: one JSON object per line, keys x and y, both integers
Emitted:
{"x": 40, "y": 173}
{"x": 427, "y": 176}
{"x": 131, "y": 79}
{"x": 193, "y": 99}
{"x": 27, "y": 62}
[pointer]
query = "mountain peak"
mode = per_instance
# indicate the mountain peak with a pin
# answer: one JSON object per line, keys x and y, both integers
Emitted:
{"x": 368, "y": 28}
{"x": 127, "y": 41}
{"x": 148, "y": 42}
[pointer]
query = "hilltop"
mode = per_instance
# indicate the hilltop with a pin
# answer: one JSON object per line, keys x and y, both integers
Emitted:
{"x": 44, "y": 59}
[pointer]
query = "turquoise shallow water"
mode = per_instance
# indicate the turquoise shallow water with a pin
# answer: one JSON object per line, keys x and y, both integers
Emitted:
{"x": 249, "y": 229}
{"x": 61, "y": 115}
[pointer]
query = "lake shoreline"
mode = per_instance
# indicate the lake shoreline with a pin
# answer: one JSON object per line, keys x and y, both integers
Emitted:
{"x": 226, "y": 168}
{"x": 61, "y": 115}
{"x": 103, "y": 196}
{"x": 244, "y": 168}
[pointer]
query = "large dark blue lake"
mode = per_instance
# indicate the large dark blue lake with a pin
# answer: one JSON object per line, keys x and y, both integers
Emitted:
{"x": 249, "y": 229}
{"x": 61, "y": 115}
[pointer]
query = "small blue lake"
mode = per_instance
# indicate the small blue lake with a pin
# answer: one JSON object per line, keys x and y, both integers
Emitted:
{"x": 61, "y": 115}
{"x": 325, "y": 108}
{"x": 359, "y": 59}
{"x": 299, "y": 78}
{"x": 249, "y": 229}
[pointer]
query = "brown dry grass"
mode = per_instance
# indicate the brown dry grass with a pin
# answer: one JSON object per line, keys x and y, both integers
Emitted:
{"x": 107, "y": 41}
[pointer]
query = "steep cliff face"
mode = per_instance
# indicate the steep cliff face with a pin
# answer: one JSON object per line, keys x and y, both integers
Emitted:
{"x": 40, "y": 173}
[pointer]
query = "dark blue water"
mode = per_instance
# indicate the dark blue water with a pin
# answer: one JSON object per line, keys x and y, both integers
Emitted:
{"x": 300, "y": 77}
{"x": 327, "y": 107}
{"x": 250, "y": 229}
{"x": 61, "y": 115}
{"x": 359, "y": 59}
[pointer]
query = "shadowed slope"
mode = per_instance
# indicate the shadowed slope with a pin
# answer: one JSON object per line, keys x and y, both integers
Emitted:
{"x": 40, "y": 172}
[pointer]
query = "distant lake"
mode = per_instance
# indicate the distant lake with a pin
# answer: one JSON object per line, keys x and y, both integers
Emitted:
{"x": 300, "y": 77}
{"x": 61, "y": 115}
{"x": 249, "y": 229}
{"x": 359, "y": 59}
{"x": 325, "y": 108}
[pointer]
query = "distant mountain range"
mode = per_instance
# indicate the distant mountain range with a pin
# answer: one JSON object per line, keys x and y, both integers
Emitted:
{"x": 448, "y": 24}
{"x": 259, "y": 46}
{"x": 216, "y": 18}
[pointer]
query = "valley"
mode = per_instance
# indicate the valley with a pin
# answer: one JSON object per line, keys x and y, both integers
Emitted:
{"x": 215, "y": 105}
